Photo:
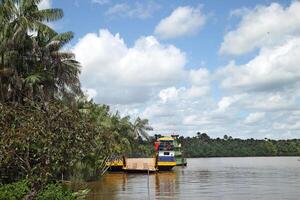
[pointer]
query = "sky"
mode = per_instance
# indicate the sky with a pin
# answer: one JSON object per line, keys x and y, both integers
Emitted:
{"x": 219, "y": 67}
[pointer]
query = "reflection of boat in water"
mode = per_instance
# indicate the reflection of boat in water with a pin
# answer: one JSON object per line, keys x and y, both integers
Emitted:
{"x": 119, "y": 185}
{"x": 165, "y": 184}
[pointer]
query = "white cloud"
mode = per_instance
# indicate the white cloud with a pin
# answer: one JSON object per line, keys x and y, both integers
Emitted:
{"x": 174, "y": 111}
{"x": 139, "y": 10}
{"x": 199, "y": 76}
{"x": 45, "y": 4}
{"x": 258, "y": 98}
{"x": 271, "y": 102}
{"x": 283, "y": 126}
{"x": 273, "y": 69}
{"x": 253, "y": 118}
{"x": 227, "y": 101}
{"x": 118, "y": 9}
{"x": 267, "y": 85}
{"x": 90, "y": 93}
{"x": 196, "y": 120}
{"x": 182, "y": 21}
{"x": 270, "y": 81}
{"x": 122, "y": 74}
{"x": 149, "y": 80}
{"x": 101, "y": 2}
{"x": 197, "y": 91}
{"x": 177, "y": 110}
{"x": 262, "y": 26}
{"x": 200, "y": 83}
{"x": 168, "y": 94}
{"x": 199, "y": 86}
{"x": 290, "y": 121}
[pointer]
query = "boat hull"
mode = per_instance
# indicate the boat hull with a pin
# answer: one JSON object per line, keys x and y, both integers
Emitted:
{"x": 116, "y": 165}
{"x": 115, "y": 168}
{"x": 165, "y": 166}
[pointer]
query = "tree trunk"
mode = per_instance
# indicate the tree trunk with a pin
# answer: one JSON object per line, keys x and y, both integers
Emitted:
{"x": 1, "y": 88}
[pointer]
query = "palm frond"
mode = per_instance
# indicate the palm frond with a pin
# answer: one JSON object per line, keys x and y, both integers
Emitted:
{"x": 33, "y": 78}
{"x": 37, "y": 2}
{"x": 63, "y": 55}
{"x": 39, "y": 26}
{"x": 49, "y": 15}
{"x": 63, "y": 38}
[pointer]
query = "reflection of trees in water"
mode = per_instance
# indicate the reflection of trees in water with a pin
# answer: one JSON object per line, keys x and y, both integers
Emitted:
{"x": 112, "y": 185}
{"x": 165, "y": 184}
{"x": 107, "y": 186}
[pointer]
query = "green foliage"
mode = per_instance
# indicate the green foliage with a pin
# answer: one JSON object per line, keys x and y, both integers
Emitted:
{"x": 49, "y": 141}
{"x": 47, "y": 131}
{"x": 42, "y": 141}
{"x": 140, "y": 128}
{"x": 56, "y": 192}
{"x": 32, "y": 62}
{"x": 18, "y": 190}
{"x": 14, "y": 191}
{"x": 204, "y": 146}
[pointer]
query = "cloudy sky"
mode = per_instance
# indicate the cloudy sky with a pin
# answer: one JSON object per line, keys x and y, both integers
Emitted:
{"x": 220, "y": 67}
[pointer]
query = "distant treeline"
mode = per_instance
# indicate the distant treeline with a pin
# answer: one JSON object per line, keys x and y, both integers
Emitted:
{"x": 202, "y": 145}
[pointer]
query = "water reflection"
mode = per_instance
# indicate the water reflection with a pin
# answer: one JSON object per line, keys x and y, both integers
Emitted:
{"x": 165, "y": 184}
{"x": 212, "y": 178}
{"x": 108, "y": 186}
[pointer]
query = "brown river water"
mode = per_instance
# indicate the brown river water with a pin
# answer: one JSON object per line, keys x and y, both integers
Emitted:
{"x": 208, "y": 178}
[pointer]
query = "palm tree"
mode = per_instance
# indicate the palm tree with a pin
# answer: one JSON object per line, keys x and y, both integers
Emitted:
{"x": 140, "y": 128}
{"x": 59, "y": 71}
{"x": 31, "y": 61}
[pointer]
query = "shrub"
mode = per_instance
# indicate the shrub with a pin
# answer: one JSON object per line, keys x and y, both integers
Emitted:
{"x": 56, "y": 192}
{"x": 14, "y": 191}
{"x": 18, "y": 190}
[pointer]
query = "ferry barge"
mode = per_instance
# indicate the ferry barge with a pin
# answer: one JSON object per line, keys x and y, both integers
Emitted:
{"x": 167, "y": 155}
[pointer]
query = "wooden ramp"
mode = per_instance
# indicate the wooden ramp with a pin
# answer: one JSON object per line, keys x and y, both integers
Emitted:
{"x": 140, "y": 164}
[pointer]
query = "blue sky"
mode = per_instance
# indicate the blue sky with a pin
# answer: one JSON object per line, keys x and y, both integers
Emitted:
{"x": 221, "y": 67}
{"x": 84, "y": 16}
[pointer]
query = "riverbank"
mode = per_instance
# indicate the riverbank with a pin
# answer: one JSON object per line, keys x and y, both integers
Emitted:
{"x": 21, "y": 190}
{"x": 202, "y": 145}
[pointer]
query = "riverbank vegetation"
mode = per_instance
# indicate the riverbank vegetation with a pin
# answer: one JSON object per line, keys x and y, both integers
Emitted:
{"x": 49, "y": 131}
{"x": 202, "y": 145}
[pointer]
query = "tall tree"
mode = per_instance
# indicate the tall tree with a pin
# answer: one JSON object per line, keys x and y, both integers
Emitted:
{"x": 140, "y": 128}
{"x": 32, "y": 64}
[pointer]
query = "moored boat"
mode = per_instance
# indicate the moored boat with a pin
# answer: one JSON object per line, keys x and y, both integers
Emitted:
{"x": 115, "y": 165}
{"x": 165, "y": 153}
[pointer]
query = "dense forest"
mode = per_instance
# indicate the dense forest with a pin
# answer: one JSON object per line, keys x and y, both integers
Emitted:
{"x": 49, "y": 132}
{"x": 202, "y": 145}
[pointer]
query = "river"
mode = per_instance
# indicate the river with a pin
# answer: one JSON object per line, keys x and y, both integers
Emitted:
{"x": 208, "y": 178}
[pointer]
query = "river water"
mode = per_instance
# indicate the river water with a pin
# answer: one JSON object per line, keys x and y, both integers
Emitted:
{"x": 208, "y": 178}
